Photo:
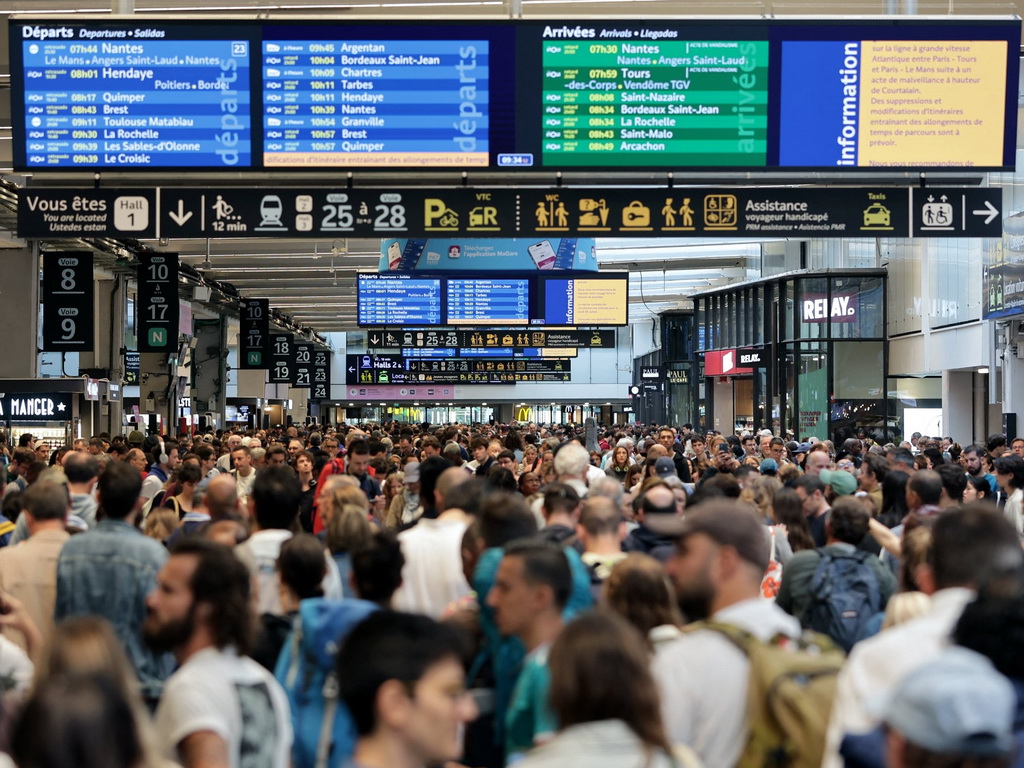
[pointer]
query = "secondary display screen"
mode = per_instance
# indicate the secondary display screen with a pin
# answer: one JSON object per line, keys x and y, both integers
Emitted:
{"x": 835, "y": 95}
{"x": 591, "y": 300}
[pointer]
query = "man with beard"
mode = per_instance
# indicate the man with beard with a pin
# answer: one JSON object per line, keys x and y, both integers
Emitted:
{"x": 721, "y": 556}
{"x": 220, "y": 708}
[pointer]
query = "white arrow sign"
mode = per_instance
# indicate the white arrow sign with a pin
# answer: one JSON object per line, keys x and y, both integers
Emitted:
{"x": 351, "y": 369}
{"x": 182, "y": 215}
{"x": 374, "y": 340}
{"x": 989, "y": 212}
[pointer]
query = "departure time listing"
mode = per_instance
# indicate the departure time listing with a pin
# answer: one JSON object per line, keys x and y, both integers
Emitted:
{"x": 376, "y": 103}
{"x": 130, "y": 97}
{"x": 623, "y": 97}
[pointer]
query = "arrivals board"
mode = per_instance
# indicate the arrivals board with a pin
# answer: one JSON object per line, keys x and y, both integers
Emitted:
{"x": 587, "y": 299}
{"x": 836, "y": 94}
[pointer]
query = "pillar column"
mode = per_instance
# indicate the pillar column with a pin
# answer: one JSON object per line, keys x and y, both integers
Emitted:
{"x": 209, "y": 370}
{"x": 19, "y": 313}
{"x": 957, "y": 410}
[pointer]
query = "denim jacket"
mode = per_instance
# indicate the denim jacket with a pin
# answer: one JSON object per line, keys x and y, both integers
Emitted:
{"x": 108, "y": 572}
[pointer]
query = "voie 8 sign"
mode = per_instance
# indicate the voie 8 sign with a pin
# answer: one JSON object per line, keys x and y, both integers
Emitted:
{"x": 68, "y": 302}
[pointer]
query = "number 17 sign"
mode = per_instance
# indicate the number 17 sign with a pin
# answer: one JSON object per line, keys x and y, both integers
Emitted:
{"x": 156, "y": 305}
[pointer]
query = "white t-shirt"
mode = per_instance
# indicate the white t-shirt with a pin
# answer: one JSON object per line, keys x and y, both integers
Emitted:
{"x": 432, "y": 576}
{"x": 231, "y": 696}
{"x": 260, "y": 552}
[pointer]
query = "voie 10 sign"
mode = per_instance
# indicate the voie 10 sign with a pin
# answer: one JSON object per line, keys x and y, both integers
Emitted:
{"x": 835, "y": 94}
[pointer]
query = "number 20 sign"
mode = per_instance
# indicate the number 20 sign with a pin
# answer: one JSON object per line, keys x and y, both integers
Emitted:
{"x": 68, "y": 302}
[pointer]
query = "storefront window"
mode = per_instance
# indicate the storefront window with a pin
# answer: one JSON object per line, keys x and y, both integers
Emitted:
{"x": 812, "y": 394}
{"x": 915, "y": 405}
{"x": 857, "y": 308}
{"x": 788, "y": 307}
{"x": 814, "y": 308}
{"x": 857, "y": 370}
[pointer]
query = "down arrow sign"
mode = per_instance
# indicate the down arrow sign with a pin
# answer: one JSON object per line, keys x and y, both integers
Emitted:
{"x": 182, "y": 215}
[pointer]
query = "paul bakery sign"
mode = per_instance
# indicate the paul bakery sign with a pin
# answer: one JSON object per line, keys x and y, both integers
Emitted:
{"x": 841, "y": 308}
{"x": 53, "y": 407}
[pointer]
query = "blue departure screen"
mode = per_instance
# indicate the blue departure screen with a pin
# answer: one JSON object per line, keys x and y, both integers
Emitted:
{"x": 376, "y": 103}
{"x": 489, "y": 302}
{"x": 399, "y": 300}
{"x": 131, "y": 96}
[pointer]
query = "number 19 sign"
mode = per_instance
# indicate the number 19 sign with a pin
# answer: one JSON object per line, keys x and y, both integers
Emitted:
{"x": 156, "y": 306}
{"x": 68, "y": 302}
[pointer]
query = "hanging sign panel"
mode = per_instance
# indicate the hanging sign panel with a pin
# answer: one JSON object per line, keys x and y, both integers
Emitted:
{"x": 68, "y": 302}
{"x": 282, "y": 358}
{"x": 850, "y": 94}
{"x": 156, "y": 305}
{"x": 254, "y": 336}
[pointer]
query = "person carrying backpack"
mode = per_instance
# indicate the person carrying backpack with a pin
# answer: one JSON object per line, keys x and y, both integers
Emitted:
{"x": 837, "y": 589}
{"x": 765, "y": 699}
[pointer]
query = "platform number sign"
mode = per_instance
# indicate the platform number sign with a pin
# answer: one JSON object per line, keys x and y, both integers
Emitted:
{"x": 254, "y": 337}
{"x": 302, "y": 373}
{"x": 321, "y": 375}
{"x": 156, "y": 306}
{"x": 282, "y": 358}
{"x": 68, "y": 302}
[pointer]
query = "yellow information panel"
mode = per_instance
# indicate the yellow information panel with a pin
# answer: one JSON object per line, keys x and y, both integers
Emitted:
{"x": 600, "y": 302}
{"x": 927, "y": 100}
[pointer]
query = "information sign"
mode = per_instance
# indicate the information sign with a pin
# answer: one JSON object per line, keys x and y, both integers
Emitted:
{"x": 68, "y": 302}
{"x": 156, "y": 305}
{"x": 282, "y": 358}
{"x": 254, "y": 336}
{"x": 302, "y": 372}
{"x": 395, "y": 338}
{"x": 392, "y": 369}
{"x": 321, "y": 389}
{"x": 132, "y": 368}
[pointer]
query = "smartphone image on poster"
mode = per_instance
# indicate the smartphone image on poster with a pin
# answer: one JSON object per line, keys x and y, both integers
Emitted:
{"x": 394, "y": 256}
{"x": 543, "y": 254}
{"x": 566, "y": 250}
{"x": 411, "y": 254}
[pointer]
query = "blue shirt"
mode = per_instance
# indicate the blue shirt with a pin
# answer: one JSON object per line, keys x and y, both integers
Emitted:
{"x": 109, "y": 571}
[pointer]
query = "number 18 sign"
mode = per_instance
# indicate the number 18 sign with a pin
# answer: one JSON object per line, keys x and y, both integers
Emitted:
{"x": 156, "y": 306}
{"x": 68, "y": 302}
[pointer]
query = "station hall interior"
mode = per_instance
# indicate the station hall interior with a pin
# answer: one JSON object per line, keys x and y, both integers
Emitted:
{"x": 934, "y": 344}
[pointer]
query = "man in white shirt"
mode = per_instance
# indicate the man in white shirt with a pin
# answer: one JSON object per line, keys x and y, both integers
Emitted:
{"x": 244, "y": 472}
{"x": 220, "y": 709}
{"x": 432, "y": 577}
{"x": 970, "y": 548}
{"x": 721, "y": 557}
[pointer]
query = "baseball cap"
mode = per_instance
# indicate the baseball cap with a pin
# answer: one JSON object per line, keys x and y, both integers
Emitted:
{"x": 727, "y": 523}
{"x": 956, "y": 704}
{"x": 135, "y": 437}
{"x": 412, "y": 472}
{"x": 842, "y": 482}
{"x": 769, "y": 467}
{"x": 664, "y": 467}
{"x": 802, "y": 448}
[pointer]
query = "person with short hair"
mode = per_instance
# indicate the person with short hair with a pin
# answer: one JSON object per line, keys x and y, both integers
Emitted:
{"x": 110, "y": 570}
{"x": 401, "y": 676}
{"x": 656, "y": 503}
{"x": 1010, "y": 478}
{"x": 601, "y": 531}
{"x": 220, "y": 708}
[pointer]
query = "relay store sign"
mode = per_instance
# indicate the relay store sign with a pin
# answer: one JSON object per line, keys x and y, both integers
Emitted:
{"x": 724, "y": 363}
{"x": 841, "y": 308}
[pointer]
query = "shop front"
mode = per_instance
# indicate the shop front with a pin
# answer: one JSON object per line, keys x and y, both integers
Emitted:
{"x": 801, "y": 354}
{"x": 55, "y": 410}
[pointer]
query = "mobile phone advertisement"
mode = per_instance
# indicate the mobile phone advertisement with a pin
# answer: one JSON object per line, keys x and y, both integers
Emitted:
{"x": 488, "y": 255}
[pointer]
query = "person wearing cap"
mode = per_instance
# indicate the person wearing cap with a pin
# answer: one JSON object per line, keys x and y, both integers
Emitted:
{"x": 846, "y": 527}
{"x": 405, "y": 507}
{"x": 769, "y": 467}
{"x": 655, "y": 509}
{"x": 970, "y": 546}
{"x": 721, "y": 554}
{"x": 135, "y": 438}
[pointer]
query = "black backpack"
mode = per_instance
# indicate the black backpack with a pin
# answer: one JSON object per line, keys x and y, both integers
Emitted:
{"x": 845, "y": 596}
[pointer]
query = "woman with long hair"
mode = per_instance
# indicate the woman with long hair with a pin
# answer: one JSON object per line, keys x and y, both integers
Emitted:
{"x": 639, "y": 590}
{"x": 788, "y": 510}
{"x": 604, "y": 722}
{"x": 531, "y": 459}
{"x": 618, "y": 467}
{"x": 894, "y": 499}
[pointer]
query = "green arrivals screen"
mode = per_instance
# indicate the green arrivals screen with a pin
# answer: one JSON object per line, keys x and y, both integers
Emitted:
{"x": 655, "y": 103}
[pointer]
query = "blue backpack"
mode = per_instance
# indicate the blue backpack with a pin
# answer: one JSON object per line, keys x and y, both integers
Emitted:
{"x": 324, "y": 734}
{"x": 844, "y": 597}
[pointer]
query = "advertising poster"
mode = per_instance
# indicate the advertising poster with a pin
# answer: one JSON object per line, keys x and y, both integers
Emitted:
{"x": 448, "y": 254}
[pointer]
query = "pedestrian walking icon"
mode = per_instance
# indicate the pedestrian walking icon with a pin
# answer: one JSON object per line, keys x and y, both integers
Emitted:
{"x": 937, "y": 214}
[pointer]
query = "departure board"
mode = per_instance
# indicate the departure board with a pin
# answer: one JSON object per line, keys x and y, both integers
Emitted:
{"x": 488, "y": 301}
{"x": 655, "y": 103}
{"x": 399, "y": 300}
{"x": 375, "y": 103}
{"x": 135, "y": 97}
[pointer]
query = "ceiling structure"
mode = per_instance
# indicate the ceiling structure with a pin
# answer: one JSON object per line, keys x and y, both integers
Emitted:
{"x": 313, "y": 281}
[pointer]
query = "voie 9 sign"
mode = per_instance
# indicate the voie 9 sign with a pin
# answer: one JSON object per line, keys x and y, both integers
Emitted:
{"x": 68, "y": 302}
{"x": 839, "y": 308}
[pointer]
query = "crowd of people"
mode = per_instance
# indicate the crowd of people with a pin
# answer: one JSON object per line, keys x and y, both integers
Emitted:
{"x": 403, "y": 596}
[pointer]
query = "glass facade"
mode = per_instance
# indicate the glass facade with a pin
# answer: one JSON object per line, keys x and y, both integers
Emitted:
{"x": 827, "y": 357}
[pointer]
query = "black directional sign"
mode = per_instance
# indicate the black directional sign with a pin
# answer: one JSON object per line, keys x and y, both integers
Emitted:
{"x": 394, "y": 369}
{"x": 254, "y": 337}
{"x": 132, "y": 366}
{"x": 282, "y": 358}
{"x": 542, "y": 213}
{"x": 68, "y": 302}
{"x": 321, "y": 375}
{"x": 302, "y": 372}
{"x": 397, "y": 338}
{"x": 156, "y": 306}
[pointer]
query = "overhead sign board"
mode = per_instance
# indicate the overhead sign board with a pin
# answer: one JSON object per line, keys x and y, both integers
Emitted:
{"x": 302, "y": 372}
{"x": 393, "y": 369}
{"x": 36, "y": 407}
{"x": 321, "y": 389}
{"x": 132, "y": 365}
{"x": 596, "y": 94}
{"x": 156, "y": 305}
{"x": 282, "y": 358}
{"x": 254, "y": 335}
{"x": 396, "y": 338}
{"x": 491, "y": 254}
{"x": 68, "y": 302}
{"x": 752, "y": 358}
{"x": 542, "y": 215}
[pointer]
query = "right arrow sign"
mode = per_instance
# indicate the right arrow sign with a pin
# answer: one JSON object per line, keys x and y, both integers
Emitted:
{"x": 957, "y": 212}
